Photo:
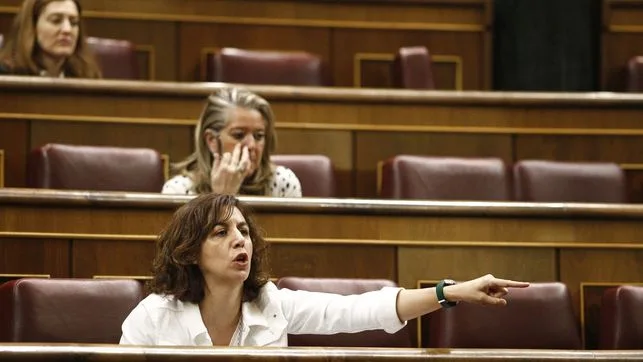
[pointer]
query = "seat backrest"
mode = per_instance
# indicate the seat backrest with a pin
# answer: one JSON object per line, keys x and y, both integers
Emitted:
{"x": 635, "y": 74}
{"x": 621, "y": 325}
{"x": 66, "y": 310}
{"x": 58, "y": 166}
{"x": 231, "y": 65}
{"x": 376, "y": 338}
{"x": 412, "y": 68}
{"x": 445, "y": 178}
{"x": 316, "y": 173}
{"x": 116, "y": 58}
{"x": 554, "y": 181}
{"x": 538, "y": 317}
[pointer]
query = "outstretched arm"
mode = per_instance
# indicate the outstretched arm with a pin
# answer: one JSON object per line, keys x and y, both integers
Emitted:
{"x": 487, "y": 290}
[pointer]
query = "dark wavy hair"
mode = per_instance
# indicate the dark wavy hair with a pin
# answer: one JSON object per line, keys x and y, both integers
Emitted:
{"x": 175, "y": 270}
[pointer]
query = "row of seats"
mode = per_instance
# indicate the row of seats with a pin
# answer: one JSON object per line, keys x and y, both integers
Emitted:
{"x": 59, "y": 166}
{"x": 117, "y": 60}
{"x": 115, "y": 57}
{"x": 538, "y": 317}
{"x": 490, "y": 179}
{"x": 72, "y": 167}
{"x": 410, "y": 69}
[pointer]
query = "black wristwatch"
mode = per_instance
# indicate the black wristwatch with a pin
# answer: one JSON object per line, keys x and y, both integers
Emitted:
{"x": 439, "y": 290}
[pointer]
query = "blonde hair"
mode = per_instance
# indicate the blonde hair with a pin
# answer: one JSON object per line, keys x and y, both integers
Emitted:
{"x": 21, "y": 46}
{"x": 215, "y": 116}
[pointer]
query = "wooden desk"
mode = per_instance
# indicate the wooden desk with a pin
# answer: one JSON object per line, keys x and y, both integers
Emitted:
{"x": 356, "y": 128}
{"x": 588, "y": 247}
{"x": 59, "y": 352}
{"x": 356, "y": 39}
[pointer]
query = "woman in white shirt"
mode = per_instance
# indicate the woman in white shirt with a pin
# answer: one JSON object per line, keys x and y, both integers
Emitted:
{"x": 233, "y": 141}
{"x": 210, "y": 287}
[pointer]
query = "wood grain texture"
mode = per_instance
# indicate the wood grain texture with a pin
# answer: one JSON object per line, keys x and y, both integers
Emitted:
{"x": 356, "y": 128}
{"x": 88, "y": 234}
{"x": 16, "y": 352}
{"x": 171, "y": 36}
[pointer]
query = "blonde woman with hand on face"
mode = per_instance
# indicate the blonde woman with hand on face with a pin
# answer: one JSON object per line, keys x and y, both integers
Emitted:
{"x": 234, "y": 139}
{"x": 210, "y": 287}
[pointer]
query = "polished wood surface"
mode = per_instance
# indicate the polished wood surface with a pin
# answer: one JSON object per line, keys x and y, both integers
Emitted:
{"x": 622, "y": 34}
{"x": 93, "y": 234}
{"x": 356, "y": 39}
{"x": 54, "y": 352}
{"x": 356, "y": 128}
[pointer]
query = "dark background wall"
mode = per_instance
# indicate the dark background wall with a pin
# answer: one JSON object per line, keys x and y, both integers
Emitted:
{"x": 547, "y": 45}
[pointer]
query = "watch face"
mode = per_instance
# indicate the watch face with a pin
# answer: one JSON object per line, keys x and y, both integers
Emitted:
{"x": 449, "y": 281}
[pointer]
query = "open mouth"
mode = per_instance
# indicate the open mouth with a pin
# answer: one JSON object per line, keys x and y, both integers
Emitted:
{"x": 241, "y": 258}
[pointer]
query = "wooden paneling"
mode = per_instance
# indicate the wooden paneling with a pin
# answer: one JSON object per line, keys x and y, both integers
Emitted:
{"x": 156, "y": 44}
{"x": 172, "y": 36}
{"x": 337, "y": 145}
{"x": 13, "y": 134}
{"x": 460, "y": 263}
{"x": 33, "y": 353}
{"x": 175, "y": 141}
{"x": 621, "y": 40}
{"x": 356, "y": 128}
{"x": 92, "y": 258}
{"x": 196, "y": 39}
{"x": 89, "y": 234}
{"x": 34, "y": 256}
{"x": 375, "y": 49}
{"x": 613, "y": 267}
{"x": 331, "y": 261}
{"x": 372, "y": 147}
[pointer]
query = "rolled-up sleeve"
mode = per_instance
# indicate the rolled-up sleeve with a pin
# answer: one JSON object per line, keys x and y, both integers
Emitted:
{"x": 326, "y": 313}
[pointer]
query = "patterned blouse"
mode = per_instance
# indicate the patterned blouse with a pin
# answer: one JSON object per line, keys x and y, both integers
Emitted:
{"x": 284, "y": 184}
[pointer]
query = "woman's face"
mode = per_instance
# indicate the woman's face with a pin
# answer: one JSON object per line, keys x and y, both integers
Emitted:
{"x": 226, "y": 254}
{"x": 247, "y": 127}
{"x": 57, "y": 29}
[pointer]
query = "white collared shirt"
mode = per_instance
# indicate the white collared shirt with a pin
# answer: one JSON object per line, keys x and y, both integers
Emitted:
{"x": 266, "y": 321}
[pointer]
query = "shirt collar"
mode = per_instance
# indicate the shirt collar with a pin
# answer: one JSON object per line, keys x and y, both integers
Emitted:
{"x": 250, "y": 314}
{"x": 194, "y": 323}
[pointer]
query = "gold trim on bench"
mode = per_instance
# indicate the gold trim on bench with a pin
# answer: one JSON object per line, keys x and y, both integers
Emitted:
{"x": 203, "y": 61}
{"x": 308, "y": 23}
{"x": 418, "y": 285}
{"x": 47, "y": 276}
{"x": 457, "y": 61}
{"x": 357, "y": 64}
{"x": 582, "y": 300}
{"x": 631, "y": 166}
{"x": 151, "y": 58}
{"x": 98, "y": 119}
{"x": 388, "y": 57}
{"x": 625, "y": 28}
{"x": 1, "y": 168}
{"x": 378, "y": 242}
{"x": 165, "y": 159}
{"x": 625, "y": 132}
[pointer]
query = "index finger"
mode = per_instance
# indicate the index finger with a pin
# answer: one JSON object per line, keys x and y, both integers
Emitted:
{"x": 509, "y": 283}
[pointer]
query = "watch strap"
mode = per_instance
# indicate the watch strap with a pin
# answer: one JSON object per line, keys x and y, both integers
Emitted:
{"x": 439, "y": 291}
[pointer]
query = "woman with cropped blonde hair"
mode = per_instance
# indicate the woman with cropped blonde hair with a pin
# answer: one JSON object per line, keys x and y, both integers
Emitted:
{"x": 233, "y": 141}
